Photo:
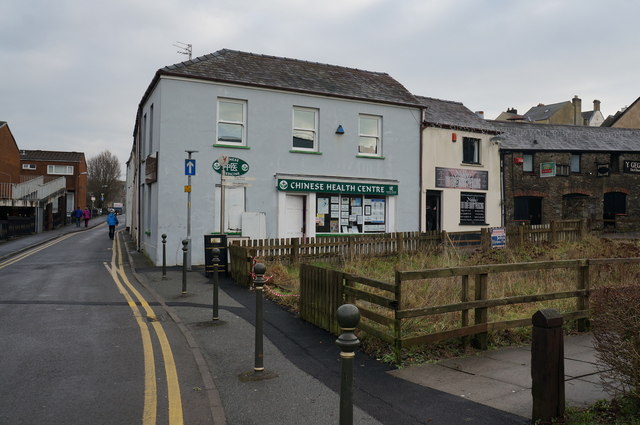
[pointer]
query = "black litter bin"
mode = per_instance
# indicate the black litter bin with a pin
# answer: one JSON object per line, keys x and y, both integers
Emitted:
{"x": 211, "y": 242}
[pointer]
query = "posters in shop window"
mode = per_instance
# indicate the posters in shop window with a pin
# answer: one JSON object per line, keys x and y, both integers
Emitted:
{"x": 472, "y": 208}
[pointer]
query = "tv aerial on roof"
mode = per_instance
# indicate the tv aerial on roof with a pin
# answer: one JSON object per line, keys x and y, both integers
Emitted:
{"x": 185, "y": 49}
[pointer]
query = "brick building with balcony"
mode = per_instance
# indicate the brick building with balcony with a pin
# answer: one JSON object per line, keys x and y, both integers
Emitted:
{"x": 53, "y": 164}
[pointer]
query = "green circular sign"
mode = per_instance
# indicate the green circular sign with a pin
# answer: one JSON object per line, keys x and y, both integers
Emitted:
{"x": 235, "y": 167}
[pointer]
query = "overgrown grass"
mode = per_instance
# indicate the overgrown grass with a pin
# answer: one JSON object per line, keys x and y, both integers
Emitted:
{"x": 443, "y": 291}
{"x": 621, "y": 411}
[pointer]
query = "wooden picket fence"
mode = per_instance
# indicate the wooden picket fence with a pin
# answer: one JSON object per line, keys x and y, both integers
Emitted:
{"x": 556, "y": 231}
{"x": 341, "y": 248}
{"x": 338, "y": 248}
{"x": 383, "y": 314}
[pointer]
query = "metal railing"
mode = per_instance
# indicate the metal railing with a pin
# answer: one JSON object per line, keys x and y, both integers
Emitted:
{"x": 6, "y": 190}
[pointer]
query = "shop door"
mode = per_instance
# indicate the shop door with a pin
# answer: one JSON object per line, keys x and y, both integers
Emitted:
{"x": 615, "y": 204}
{"x": 528, "y": 209}
{"x": 294, "y": 216}
{"x": 433, "y": 210}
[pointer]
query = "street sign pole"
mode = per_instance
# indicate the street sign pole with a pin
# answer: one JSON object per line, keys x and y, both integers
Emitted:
{"x": 222, "y": 200}
{"x": 189, "y": 171}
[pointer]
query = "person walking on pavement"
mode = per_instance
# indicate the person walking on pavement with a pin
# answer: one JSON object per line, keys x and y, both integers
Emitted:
{"x": 86, "y": 214}
{"x": 112, "y": 221}
{"x": 77, "y": 215}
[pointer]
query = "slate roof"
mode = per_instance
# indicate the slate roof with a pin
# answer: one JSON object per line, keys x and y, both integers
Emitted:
{"x": 231, "y": 66}
{"x": 548, "y": 137}
{"x": 454, "y": 115}
{"x": 38, "y": 155}
{"x": 544, "y": 112}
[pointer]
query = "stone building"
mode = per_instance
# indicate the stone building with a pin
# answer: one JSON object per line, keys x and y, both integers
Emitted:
{"x": 555, "y": 172}
{"x": 568, "y": 113}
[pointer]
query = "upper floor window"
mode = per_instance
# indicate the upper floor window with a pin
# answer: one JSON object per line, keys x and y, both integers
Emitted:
{"x": 527, "y": 164}
{"x": 150, "y": 150}
{"x": 60, "y": 169}
{"x": 143, "y": 135}
{"x": 28, "y": 166}
{"x": 305, "y": 129}
{"x": 370, "y": 130}
{"x": 614, "y": 163}
{"x": 232, "y": 121}
{"x": 575, "y": 163}
{"x": 470, "y": 150}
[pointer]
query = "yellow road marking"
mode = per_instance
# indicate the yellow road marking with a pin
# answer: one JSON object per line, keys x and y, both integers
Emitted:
{"x": 32, "y": 251}
{"x": 173, "y": 387}
{"x": 150, "y": 390}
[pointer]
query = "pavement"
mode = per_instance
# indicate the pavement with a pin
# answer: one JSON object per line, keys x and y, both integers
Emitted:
{"x": 301, "y": 380}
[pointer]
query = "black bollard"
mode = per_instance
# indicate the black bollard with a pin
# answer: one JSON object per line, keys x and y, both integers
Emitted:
{"x": 259, "y": 269}
{"x": 547, "y": 366}
{"x": 348, "y": 318}
{"x": 185, "y": 250}
{"x": 216, "y": 260}
{"x": 164, "y": 256}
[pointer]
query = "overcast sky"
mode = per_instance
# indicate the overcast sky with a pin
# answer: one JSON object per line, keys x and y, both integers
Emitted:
{"x": 73, "y": 71}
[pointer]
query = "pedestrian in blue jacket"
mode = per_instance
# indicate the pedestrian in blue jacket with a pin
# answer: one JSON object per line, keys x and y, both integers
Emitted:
{"x": 112, "y": 221}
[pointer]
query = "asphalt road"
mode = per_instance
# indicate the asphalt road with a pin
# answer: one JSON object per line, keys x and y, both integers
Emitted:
{"x": 82, "y": 345}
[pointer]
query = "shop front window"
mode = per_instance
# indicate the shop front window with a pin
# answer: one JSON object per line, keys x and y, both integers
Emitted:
{"x": 472, "y": 208}
{"x": 350, "y": 213}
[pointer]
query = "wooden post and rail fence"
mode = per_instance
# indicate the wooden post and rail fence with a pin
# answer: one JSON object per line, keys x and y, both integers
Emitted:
{"x": 384, "y": 314}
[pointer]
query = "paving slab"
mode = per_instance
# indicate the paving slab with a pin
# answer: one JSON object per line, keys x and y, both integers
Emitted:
{"x": 502, "y": 378}
{"x": 517, "y": 402}
{"x": 576, "y": 368}
{"x": 582, "y": 393}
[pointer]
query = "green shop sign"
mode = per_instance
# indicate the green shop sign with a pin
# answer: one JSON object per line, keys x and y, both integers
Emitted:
{"x": 290, "y": 185}
{"x": 234, "y": 167}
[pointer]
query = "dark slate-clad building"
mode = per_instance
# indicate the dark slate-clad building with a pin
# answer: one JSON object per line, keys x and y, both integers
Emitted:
{"x": 553, "y": 172}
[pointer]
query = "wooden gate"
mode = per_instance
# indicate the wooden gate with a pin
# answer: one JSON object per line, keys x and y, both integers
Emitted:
{"x": 321, "y": 293}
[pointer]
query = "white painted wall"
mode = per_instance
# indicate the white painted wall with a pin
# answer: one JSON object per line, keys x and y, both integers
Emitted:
{"x": 440, "y": 151}
{"x": 185, "y": 118}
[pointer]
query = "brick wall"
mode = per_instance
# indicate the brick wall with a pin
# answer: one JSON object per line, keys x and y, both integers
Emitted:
{"x": 10, "y": 158}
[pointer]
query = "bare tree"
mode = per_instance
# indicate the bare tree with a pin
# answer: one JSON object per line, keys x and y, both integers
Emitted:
{"x": 104, "y": 173}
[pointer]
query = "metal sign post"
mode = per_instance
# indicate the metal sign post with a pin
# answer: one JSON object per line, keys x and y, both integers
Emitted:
{"x": 223, "y": 161}
{"x": 189, "y": 170}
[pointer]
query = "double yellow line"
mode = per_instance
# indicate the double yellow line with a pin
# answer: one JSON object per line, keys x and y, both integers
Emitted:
{"x": 32, "y": 251}
{"x": 150, "y": 392}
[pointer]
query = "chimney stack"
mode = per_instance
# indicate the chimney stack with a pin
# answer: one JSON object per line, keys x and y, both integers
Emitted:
{"x": 596, "y": 105}
{"x": 577, "y": 111}
{"x": 480, "y": 114}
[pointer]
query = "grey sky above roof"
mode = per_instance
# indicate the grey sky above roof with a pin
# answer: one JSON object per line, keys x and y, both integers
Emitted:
{"x": 292, "y": 74}
{"x": 67, "y": 86}
{"x": 452, "y": 114}
{"x": 547, "y": 137}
